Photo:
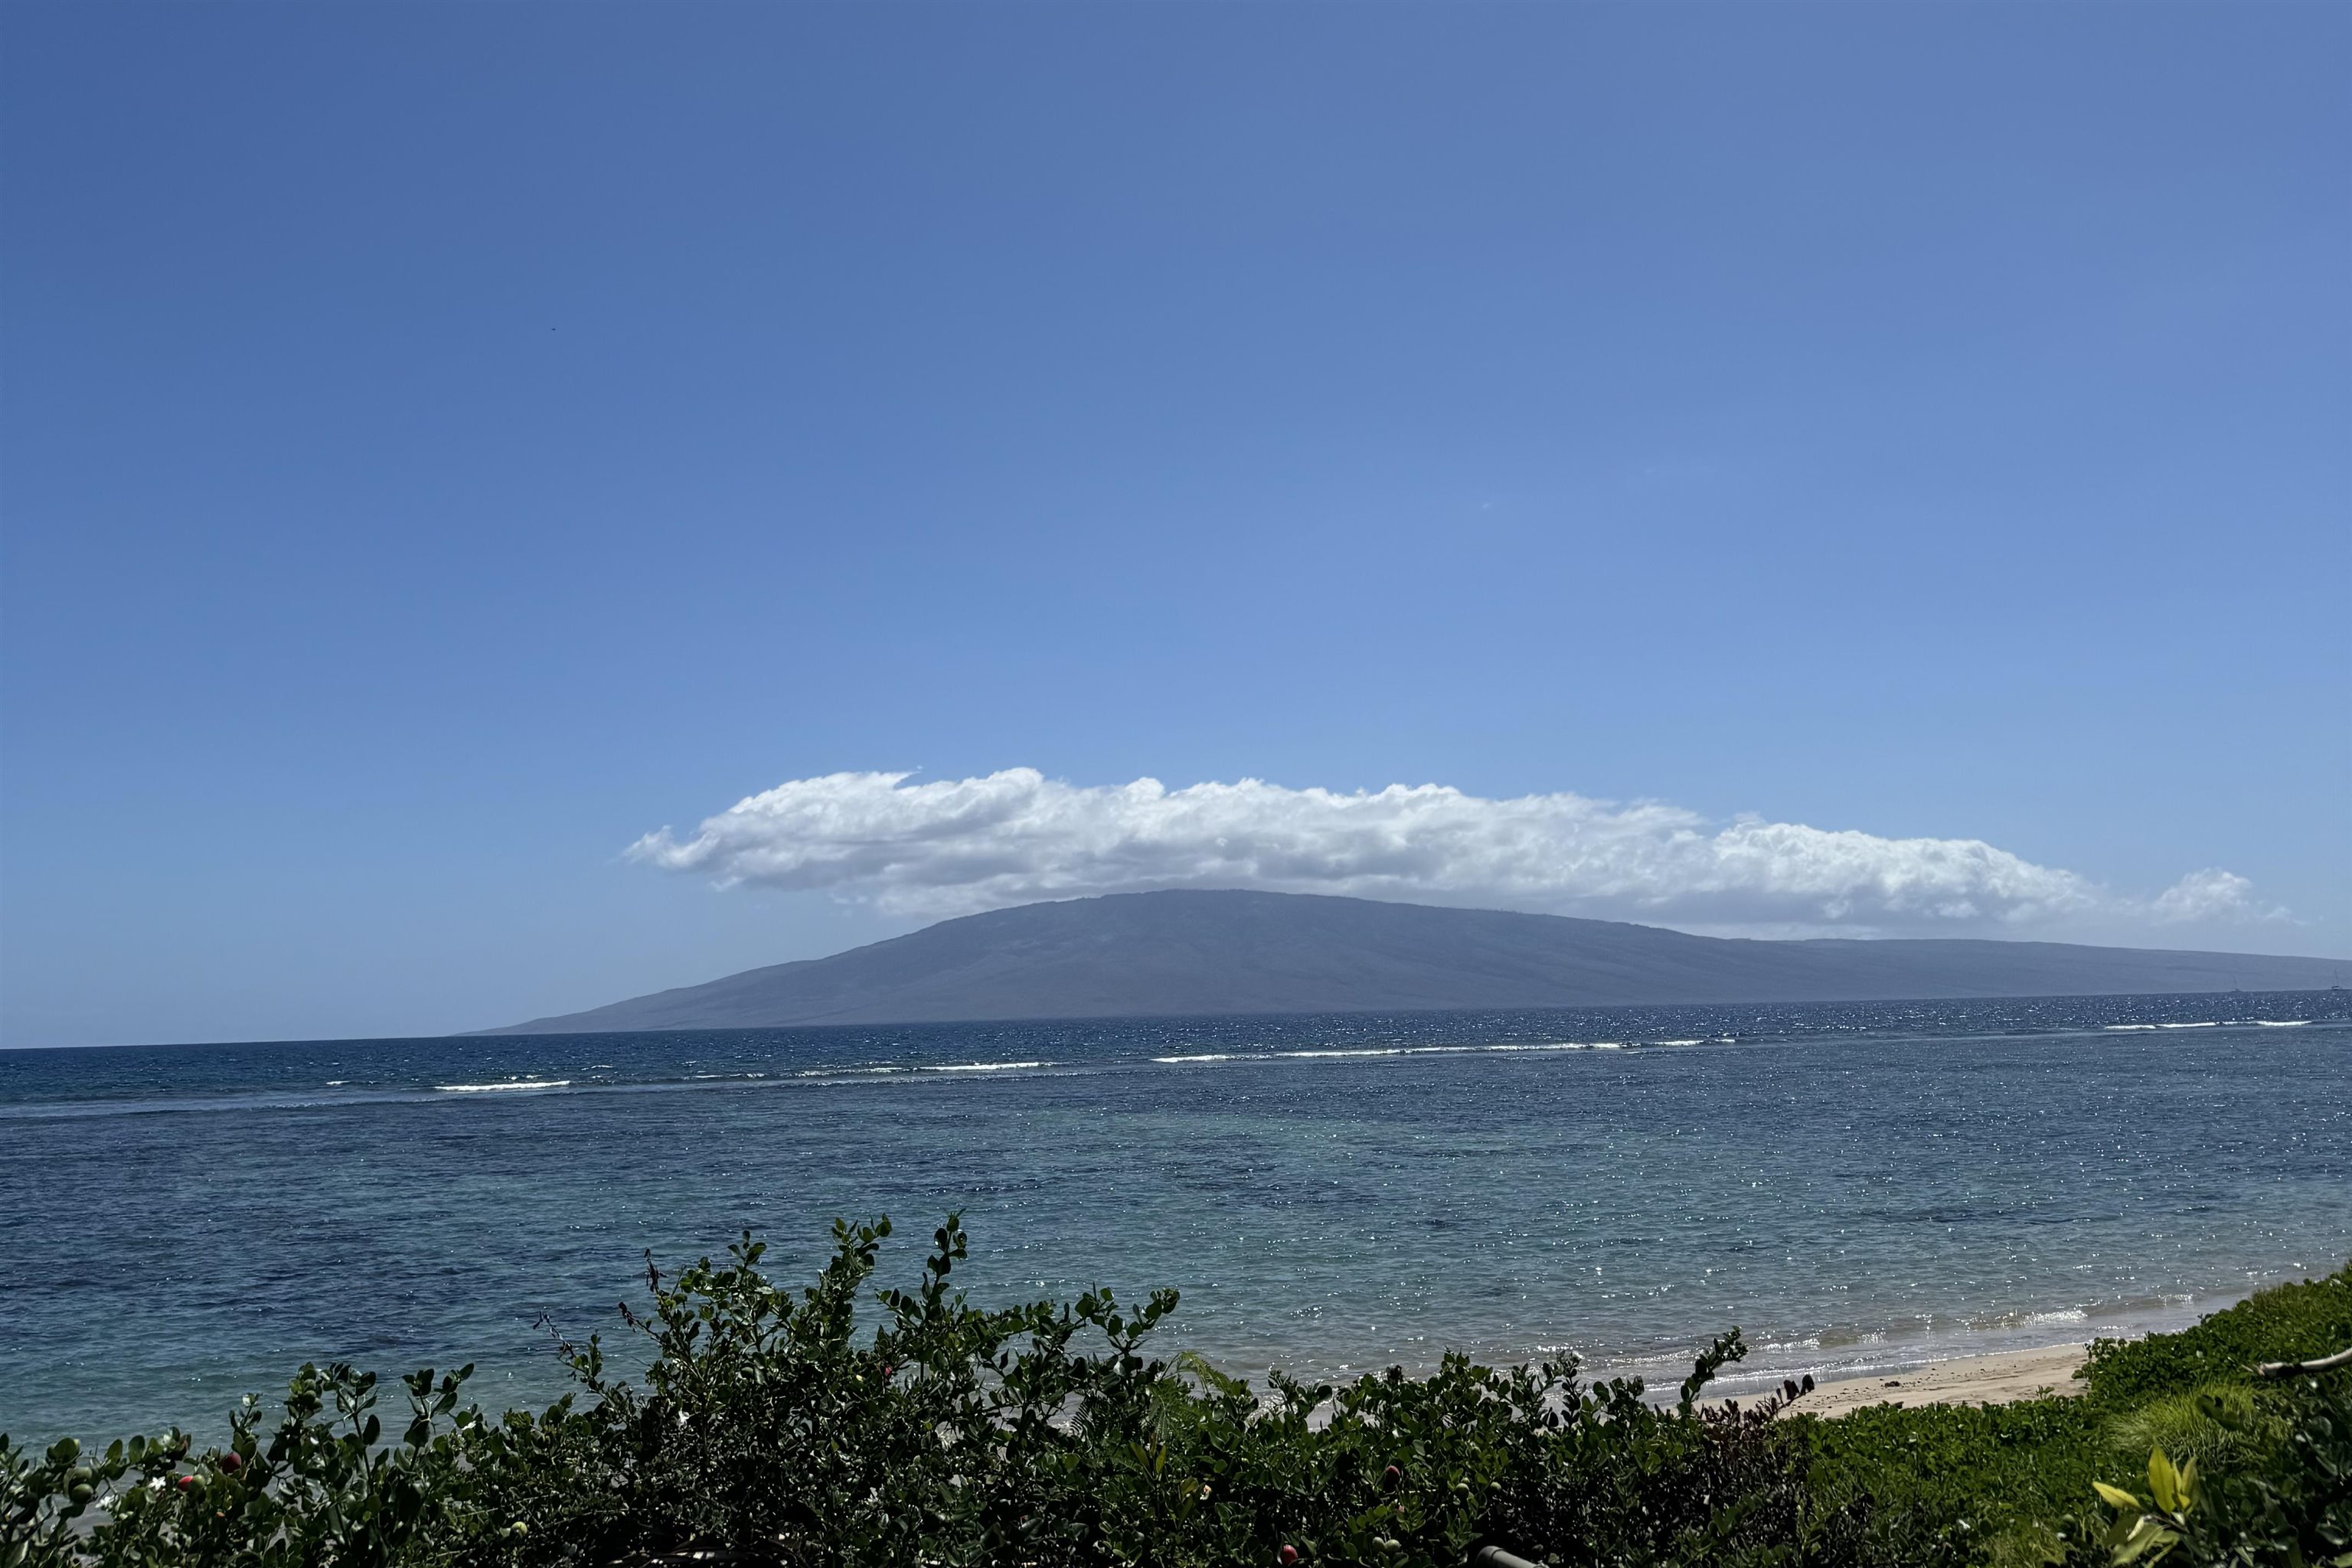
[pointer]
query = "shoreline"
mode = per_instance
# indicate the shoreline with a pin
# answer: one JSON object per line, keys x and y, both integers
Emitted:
{"x": 2001, "y": 1364}
{"x": 1997, "y": 1378}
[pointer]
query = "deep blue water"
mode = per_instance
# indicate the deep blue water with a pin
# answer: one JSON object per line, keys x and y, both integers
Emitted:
{"x": 1858, "y": 1187}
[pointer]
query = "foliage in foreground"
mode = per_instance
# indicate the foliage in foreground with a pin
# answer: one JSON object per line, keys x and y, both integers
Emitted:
{"x": 770, "y": 1426}
{"x": 2285, "y": 1322}
{"x": 1956, "y": 1484}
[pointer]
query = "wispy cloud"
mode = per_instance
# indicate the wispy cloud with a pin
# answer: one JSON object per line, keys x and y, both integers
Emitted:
{"x": 958, "y": 845}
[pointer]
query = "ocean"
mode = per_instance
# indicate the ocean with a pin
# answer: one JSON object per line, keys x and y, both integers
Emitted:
{"x": 1859, "y": 1187}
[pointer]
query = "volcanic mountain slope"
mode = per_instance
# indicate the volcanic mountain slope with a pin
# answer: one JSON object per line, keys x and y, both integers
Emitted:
{"x": 1171, "y": 954}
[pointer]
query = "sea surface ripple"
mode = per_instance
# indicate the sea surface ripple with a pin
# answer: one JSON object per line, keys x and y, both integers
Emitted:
{"x": 1858, "y": 1187}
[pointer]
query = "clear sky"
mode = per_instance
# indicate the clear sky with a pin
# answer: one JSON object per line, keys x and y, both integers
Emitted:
{"x": 441, "y": 446}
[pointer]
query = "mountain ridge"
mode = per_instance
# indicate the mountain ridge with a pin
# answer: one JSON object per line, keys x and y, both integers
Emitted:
{"x": 1204, "y": 952}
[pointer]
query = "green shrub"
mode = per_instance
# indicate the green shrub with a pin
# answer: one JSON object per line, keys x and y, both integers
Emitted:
{"x": 836, "y": 1424}
{"x": 1949, "y": 1483}
{"x": 768, "y": 1426}
{"x": 2289, "y": 1503}
{"x": 2217, "y": 1425}
{"x": 322, "y": 1489}
{"x": 2286, "y": 1322}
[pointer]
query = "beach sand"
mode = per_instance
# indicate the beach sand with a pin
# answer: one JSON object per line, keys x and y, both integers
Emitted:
{"x": 1974, "y": 1380}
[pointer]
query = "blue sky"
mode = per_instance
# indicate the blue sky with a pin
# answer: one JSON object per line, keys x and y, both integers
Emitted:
{"x": 440, "y": 446}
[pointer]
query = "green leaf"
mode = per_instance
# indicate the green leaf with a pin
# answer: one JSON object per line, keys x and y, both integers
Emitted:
{"x": 2116, "y": 1496}
{"x": 2149, "y": 1536}
{"x": 2164, "y": 1481}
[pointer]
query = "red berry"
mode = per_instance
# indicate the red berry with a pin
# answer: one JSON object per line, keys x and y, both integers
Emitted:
{"x": 1394, "y": 1475}
{"x": 187, "y": 1481}
{"x": 231, "y": 1462}
{"x": 1289, "y": 1555}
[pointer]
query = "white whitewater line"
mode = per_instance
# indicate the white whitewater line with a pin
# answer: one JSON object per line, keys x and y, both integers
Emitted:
{"x": 985, "y": 1067}
{"x": 2205, "y": 1025}
{"x": 2281, "y": 1023}
{"x": 496, "y": 1088}
{"x": 1336, "y": 1053}
{"x": 2118, "y": 1028}
{"x": 1439, "y": 1050}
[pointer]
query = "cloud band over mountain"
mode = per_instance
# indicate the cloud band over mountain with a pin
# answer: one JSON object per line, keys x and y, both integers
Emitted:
{"x": 955, "y": 847}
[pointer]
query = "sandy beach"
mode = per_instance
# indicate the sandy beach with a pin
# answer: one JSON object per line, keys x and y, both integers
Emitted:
{"x": 1973, "y": 1380}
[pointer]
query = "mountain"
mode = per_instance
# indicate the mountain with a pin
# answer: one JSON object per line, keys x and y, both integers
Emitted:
{"x": 1173, "y": 953}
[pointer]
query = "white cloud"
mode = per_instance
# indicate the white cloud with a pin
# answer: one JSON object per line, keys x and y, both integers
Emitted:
{"x": 2211, "y": 894}
{"x": 1016, "y": 837}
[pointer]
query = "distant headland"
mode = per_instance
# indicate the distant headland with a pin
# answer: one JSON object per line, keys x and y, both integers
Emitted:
{"x": 1190, "y": 953}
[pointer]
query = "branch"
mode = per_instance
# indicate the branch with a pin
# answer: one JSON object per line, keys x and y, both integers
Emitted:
{"x": 2297, "y": 1368}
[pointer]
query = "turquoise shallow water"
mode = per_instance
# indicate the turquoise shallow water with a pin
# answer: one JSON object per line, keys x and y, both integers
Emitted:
{"x": 1857, "y": 1186}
